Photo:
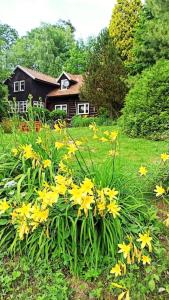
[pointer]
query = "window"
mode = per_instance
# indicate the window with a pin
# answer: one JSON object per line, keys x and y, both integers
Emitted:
{"x": 38, "y": 104}
{"x": 22, "y": 85}
{"x": 16, "y": 86}
{"x": 19, "y": 86}
{"x": 22, "y": 106}
{"x": 83, "y": 109}
{"x": 61, "y": 107}
{"x": 64, "y": 84}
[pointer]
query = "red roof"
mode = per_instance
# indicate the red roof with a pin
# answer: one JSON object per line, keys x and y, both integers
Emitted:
{"x": 74, "y": 89}
{"x": 38, "y": 75}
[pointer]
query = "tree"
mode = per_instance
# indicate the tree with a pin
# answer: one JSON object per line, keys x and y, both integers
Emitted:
{"x": 103, "y": 81}
{"x": 124, "y": 19}
{"x": 77, "y": 62}
{"x": 151, "y": 41}
{"x": 146, "y": 110}
{"x": 45, "y": 48}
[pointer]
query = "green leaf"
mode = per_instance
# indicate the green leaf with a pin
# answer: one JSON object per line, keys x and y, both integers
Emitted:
{"x": 3, "y": 221}
{"x": 151, "y": 285}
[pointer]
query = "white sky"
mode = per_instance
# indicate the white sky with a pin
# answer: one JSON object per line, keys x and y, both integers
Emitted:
{"x": 87, "y": 16}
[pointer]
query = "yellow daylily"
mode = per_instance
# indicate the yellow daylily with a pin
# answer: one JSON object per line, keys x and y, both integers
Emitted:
{"x": 3, "y": 206}
{"x": 143, "y": 171}
{"x": 145, "y": 239}
{"x": 125, "y": 249}
{"x": 114, "y": 208}
{"x": 47, "y": 163}
{"x": 159, "y": 190}
{"x": 164, "y": 156}
{"x": 146, "y": 260}
{"x": 116, "y": 270}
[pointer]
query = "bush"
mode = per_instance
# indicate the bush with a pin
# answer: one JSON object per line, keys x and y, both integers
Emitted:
{"x": 79, "y": 121}
{"x": 6, "y": 125}
{"x": 146, "y": 111}
{"x": 39, "y": 113}
{"x": 57, "y": 114}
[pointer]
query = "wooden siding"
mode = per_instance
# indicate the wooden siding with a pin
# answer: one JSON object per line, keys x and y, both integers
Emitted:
{"x": 71, "y": 102}
{"x": 36, "y": 88}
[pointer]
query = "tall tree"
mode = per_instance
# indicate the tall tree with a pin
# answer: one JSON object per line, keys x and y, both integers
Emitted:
{"x": 125, "y": 17}
{"x": 77, "y": 62}
{"x": 45, "y": 48}
{"x": 151, "y": 41}
{"x": 103, "y": 82}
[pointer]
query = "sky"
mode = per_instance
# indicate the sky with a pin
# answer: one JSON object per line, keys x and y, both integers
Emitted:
{"x": 87, "y": 16}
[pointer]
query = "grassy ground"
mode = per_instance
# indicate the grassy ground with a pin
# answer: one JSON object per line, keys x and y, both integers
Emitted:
{"x": 19, "y": 279}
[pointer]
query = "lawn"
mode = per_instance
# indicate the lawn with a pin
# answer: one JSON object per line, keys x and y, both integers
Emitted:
{"x": 22, "y": 278}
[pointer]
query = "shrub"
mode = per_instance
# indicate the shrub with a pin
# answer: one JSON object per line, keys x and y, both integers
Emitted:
{"x": 146, "y": 111}
{"x": 79, "y": 121}
{"x": 7, "y": 125}
{"x": 39, "y": 113}
{"x": 57, "y": 114}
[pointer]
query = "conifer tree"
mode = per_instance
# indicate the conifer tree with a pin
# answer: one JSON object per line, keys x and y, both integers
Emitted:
{"x": 125, "y": 17}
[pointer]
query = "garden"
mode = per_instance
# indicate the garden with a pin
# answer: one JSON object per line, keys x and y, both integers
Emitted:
{"x": 83, "y": 214}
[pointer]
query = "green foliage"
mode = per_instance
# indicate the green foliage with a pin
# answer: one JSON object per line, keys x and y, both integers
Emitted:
{"x": 104, "y": 80}
{"x": 57, "y": 114}
{"x": 39, "y": 113}
{"x": 146, "y": 111}
{"x": 45, "y": 48}
{"x": 122, "y": 26}
{"x": 151, "y": 40}
{"x": 20, "y": 279}
{"x": 79, "y": 121}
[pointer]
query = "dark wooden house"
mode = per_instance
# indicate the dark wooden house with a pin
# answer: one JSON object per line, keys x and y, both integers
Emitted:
{"x": 53, "y": 93}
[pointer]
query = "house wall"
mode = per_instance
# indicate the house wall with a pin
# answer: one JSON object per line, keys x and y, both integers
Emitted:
{"x": 35, "y": 88}
{"x": 71, "y": 102}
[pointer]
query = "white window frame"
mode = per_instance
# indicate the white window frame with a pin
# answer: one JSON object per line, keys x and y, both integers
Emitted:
{"x": 24, "y": 107}
{"x": 22, "y": 89}
{"x": 38, "y": 104}
{"x": 15, "y": 83}
{"x": 62, "y": 84}
{"x": 19, "y": 83}
{"x": 60, "y": 107}
{"x": 86, "y": 107}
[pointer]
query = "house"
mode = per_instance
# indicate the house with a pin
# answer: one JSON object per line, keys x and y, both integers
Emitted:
{"x": 52, "y": 93}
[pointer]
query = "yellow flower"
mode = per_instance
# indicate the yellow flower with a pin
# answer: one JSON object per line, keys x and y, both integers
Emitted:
{"x": 114, "y": 209}
{"x": 145, "y": 239}
{"x": 159, "y": 190}
{"x": 39, "y": 140}
{"x": 106, "y": 132}
{"x": 59, "y": 145}
{"x": 93, "y": 127}
{"x": 86, "y": 203}
{"x": 63, "y": 167}
{"x": 24, "y": 210}
{"x": 87, "y": 185}
{"x": 143, "y": 171}
{"x": 28, "y": 151}
{"x": 47, "y": 163}
{"x": 72, "y": 148}
{"x": 14, "y": 151}
{"x": 167, "y": 221}
{"x": 3, "y": 206}
{"x": 164, "y": 156}
{"x": 116, "y": 270}
{"x": 57, "y": 128}
{"x": 76, "y": 193}
{"x": 22, "y": 230}
{"x": 39, "y": 215}
{"x": 95, "y": 136}
{"x": 125, "y": 249}
{"x": 111, "y": 193}
{"x": 101, "y": 207}
{"x": 113, "y": 135}
{"x": 146, "y": 260}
